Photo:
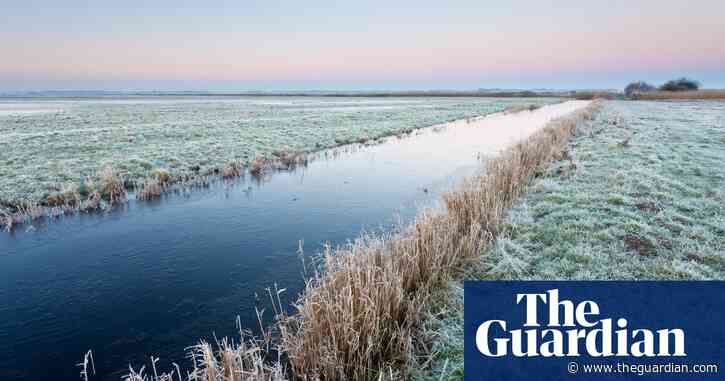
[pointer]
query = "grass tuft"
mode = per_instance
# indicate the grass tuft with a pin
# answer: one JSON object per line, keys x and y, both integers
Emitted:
{"x": 227, "y": 360}
{"x": 111, "y": 187}
{"x": 232, "y": 169}
{"x": 162, "y": 175}
{"x": 258, "y": 166}
{"x": 287, "y": 160}
{"x": 150, "y": 189}
{"x": 69, "y": 195}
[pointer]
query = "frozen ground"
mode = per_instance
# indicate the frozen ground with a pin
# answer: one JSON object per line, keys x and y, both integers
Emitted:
{"x": 640, "y": 195}
{"x": 48, "y": 143}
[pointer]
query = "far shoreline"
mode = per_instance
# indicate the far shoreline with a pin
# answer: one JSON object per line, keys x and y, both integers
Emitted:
{"x": 79, "y": 94}
{"x": 585, "y": 94}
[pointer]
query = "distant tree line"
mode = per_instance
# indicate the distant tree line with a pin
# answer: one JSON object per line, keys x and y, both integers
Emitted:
{"x": 680, "y": 84}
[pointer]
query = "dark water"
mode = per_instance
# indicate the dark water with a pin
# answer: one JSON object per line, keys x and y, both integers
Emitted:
{"x": 151, "y": 278}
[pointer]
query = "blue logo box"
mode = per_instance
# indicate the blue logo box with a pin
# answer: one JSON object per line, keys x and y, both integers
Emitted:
{"x": 594, "y": 330}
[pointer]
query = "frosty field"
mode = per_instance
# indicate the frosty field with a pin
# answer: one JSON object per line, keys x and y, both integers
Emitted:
{"x": 49, "y": 144}
{"x": 637, "y": 196}
{"x": 183, "y": 267}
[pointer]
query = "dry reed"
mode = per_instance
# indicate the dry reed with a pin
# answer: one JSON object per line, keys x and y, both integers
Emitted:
{"x": 68, "y": 195}
{"x": 6, "y": 221}
{"x": 287, "y": 160}
{"x": 258, "y": 165}
{"x": 665, "y": 95}
{"x": 594, "y": 94}
{"x": 245, "y": 360}
{"x": 162, "y": 176}
{"x": 360, "y": 317}
{"x": 87, "y": 360}
{"x": 107, "y": 188}
{"x": 150, "y": 189}
{"x": 519, "y": 108}
{"x": 232, "y": 169}
{"x": 111, "y": 185}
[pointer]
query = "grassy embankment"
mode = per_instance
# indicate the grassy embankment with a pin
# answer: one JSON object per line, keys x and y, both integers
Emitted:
{"x": 362, "y": 314}
{"x": 639, "y": 194}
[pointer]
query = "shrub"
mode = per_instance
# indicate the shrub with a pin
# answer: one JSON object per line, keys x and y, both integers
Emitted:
{"x": 638, "y": 87}
{"x": 681, "y": 84}
{"x": 111, "y": 186}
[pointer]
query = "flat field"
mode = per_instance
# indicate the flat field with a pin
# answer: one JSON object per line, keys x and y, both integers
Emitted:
{"x": 640, "y": 195}
{"x": 46, "y": 144}
{"x": 643, "y": 197}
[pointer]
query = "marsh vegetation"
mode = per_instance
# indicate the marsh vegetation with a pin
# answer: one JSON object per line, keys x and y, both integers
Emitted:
{"x": 74, "y": 154}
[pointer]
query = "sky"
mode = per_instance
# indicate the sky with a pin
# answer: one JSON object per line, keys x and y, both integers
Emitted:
{"x": 357, "y": 45}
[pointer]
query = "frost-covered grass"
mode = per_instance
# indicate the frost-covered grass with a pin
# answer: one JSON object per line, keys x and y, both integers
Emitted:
{"x": 48, "y": 145}
{"x": 640, "y": 195}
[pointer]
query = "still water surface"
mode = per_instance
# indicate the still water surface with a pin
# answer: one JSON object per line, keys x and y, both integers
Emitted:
{"x": 151, "y": 278}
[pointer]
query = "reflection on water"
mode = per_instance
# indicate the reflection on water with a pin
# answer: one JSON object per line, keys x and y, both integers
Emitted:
{"x": 153, "y": 277}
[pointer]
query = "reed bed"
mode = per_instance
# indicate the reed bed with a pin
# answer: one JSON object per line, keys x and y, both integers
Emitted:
{"x": 249, "y": 358}
{"x": 150, "y": 189}
{"x": 102, "y": 191}
{"x": 594, "y": 94}
{"x": 679, "y": 95}
{"x": 228, "y": 361}
{"x": 360, "y": 316}
{"x": 519, "y": 108}
{"x": 109, "y": 188}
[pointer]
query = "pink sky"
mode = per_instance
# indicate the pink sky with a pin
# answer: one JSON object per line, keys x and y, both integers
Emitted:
{"x": 257, "y": 43}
